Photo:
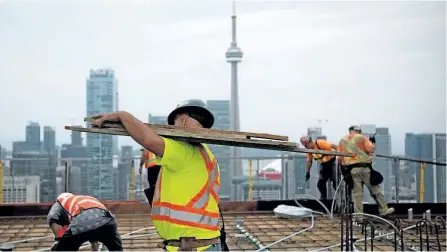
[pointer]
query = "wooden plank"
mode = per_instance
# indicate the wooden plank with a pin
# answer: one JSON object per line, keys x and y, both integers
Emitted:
{"x": 163, "y": 130}
{"x": 214, "y": 138}
{"x": 241, "y": 134}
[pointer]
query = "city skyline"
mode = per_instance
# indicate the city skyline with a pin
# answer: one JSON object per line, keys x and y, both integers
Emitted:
{"x": 159, "y": 120}
{"x": 291, "y": 173}
{"x": 296, "y": 55}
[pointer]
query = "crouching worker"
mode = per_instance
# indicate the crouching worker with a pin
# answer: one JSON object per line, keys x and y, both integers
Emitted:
{"x": 75, "y": 219}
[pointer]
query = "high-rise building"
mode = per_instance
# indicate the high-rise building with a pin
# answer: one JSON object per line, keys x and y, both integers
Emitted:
{"x": 33, "y": 132}
{"x": 78, "y": 153}
{"x": 76, "y": 138}
{"x": 102, "y": 89}
{"x": 74, "y": 180}
{"x": 49, "y": 139}
{"x": 79, "y": 159}
{"x": 383, "y": 165}
{"x": 32, "y": 141}
{"x": 124, "y": 167}
{"x": 21, "y": 189}
{"x": 293, "y": 175}
{"x": 221, "y": 112}
{"x": 163, "y": 120}
{"x": 37, "y": 164}
{"x": 314, "y": 131}
{"x": 432, "y": 147}
{"x": 32, "y": 160}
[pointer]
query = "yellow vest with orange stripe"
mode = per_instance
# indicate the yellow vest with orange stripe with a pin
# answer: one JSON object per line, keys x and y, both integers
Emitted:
{"x": 201, "y": 210}
{"x": 351, "y": 144}
{"x": 75, "y": 203}
{"x": 150, "y": 159}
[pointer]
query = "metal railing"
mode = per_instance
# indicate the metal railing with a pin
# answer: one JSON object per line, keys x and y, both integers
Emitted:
{"x": 40, "y": 179}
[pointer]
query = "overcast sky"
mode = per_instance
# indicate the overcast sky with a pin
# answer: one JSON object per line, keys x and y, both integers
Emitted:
{"x": 348, "y": 62}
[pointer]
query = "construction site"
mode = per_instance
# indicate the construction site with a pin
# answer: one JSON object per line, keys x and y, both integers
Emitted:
{"x": 253, "y": 226}
{"x": 272, "y": 206}
{"x": 303, "y": 223}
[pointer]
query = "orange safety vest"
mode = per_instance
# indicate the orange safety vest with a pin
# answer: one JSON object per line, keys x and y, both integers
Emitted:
{"x": 150, "y": 159}
{"x": 192, "y": 214}
{"x": 76, "y": 203}
{"x": 323, "y": 158}
{"x": 353, "y": 144}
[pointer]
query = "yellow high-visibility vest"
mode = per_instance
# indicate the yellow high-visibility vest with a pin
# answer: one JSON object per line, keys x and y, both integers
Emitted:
{"x": 351, "y": 144}
{"x": 192, "y": 211}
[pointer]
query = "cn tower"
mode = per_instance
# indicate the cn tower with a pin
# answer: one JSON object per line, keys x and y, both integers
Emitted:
{"x": 234, "y": 56}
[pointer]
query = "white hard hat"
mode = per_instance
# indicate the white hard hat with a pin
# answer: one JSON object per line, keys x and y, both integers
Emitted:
{"x": 63, "y": 196}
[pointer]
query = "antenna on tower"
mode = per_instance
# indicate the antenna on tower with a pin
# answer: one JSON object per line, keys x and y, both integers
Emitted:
{"x": 233, "y": 26}
{"x": 234, "y": 7}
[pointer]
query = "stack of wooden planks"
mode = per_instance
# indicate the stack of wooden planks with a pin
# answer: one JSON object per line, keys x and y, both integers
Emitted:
{"x": 209, "y": 136}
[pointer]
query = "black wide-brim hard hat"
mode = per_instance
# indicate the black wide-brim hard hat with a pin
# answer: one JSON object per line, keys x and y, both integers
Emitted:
{"x": 193, "y": 106}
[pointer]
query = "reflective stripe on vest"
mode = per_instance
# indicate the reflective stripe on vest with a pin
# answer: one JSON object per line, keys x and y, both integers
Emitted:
{"x": 194, "y": 213}
{"x": 74, "y": 204}
{"x": 150, "y": 159}
{"x": 150, "y": 163}
{"x": 350, "y": 146}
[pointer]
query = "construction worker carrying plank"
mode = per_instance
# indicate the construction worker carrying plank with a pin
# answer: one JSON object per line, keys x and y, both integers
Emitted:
{"x": 185, "y": 209}
{"x": 75, "y": 219}
{"x": 359, "y": 170}
{"x": 148, "y": 161}
{"x": 327, "y": 163}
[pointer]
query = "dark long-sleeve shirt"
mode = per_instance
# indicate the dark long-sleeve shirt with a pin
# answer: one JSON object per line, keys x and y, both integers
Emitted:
{"x": 87, "y": 220}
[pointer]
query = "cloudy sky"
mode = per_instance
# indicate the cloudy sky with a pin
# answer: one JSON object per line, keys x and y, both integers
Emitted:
{"x": 346, "y": 62}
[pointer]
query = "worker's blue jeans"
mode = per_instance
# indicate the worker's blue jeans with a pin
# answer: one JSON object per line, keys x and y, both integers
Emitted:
{"x": 214, "y": 247}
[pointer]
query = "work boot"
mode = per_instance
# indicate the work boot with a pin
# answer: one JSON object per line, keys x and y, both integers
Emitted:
{"x": 387, "y": 212}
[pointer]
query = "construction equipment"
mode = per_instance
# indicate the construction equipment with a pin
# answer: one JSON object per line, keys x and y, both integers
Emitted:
{"x": 210, "y": 136}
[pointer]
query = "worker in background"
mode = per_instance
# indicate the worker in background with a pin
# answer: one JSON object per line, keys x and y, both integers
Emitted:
{"x": 148, "y": 161}
{"x": 327, "y": 163}
{"x": 75, "y": 219}
{"x": 185, "y": 209}
{"x": 359, "y": 168}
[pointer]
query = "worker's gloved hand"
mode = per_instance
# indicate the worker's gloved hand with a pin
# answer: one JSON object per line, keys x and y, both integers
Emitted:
{"x": 307, "y": 176}
{"x": 372, "y": 139}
